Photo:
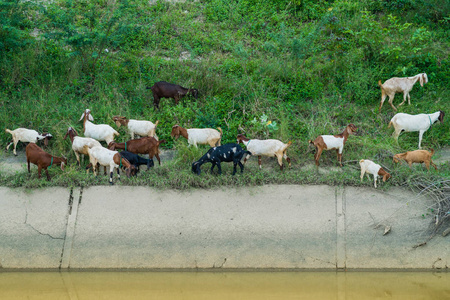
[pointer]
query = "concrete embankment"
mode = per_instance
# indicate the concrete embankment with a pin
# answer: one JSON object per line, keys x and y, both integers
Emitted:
{"x": 275, "y": 226}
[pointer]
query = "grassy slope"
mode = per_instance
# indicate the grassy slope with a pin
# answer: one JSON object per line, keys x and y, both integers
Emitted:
{"x": 310, "y": 69}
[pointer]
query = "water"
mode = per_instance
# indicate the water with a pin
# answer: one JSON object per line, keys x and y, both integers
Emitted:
{"x": 224, "y": 285}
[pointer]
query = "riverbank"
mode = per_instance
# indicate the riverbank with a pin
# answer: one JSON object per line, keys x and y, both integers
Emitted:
{"x": 262, "y": 227}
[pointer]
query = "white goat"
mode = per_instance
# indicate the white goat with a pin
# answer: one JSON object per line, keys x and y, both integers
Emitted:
{"x": 420, "y": 123}
{"x": 268, "y": 147}
{"x": 369, "y": 167}
{"x": 400, "y": 85}
{"x": 100, "y": 132}
{"x": 79, "y": 142}
{"x": 106, "y": 157}
{"x": 26, "y": 136}
{"x": 139, "y": 127}
{"x": 198, "y": 135}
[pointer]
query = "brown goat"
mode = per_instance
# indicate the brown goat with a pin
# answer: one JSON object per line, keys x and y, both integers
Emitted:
{"x": 163, "y": 89}
{"x": 329, "y": 142}
{"x": 42, "y": 159}
{"x": 417, "y": 156}
{"x": 145, "y": 145}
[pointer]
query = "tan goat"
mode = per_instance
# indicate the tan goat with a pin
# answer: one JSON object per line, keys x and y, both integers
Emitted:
{"x": 417, "y": 156}
{"x": 400, "y": 85}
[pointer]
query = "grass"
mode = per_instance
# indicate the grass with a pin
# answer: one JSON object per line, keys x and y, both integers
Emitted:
{"x": 311, "y": 68}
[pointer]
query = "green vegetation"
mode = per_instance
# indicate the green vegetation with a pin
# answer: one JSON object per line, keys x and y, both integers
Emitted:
{"x": 290, "y": 70}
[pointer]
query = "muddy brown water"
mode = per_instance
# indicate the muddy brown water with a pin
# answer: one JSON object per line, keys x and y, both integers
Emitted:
{"x": 224, "y": 285}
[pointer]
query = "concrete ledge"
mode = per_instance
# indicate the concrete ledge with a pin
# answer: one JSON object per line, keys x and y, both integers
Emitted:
{"x": 283, "y": 227}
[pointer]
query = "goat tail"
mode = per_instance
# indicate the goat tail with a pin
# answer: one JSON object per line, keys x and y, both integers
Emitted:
{"x": 287, "y": 145}
{"x": 390, "y": 123}
{"x": 432, "y": 151}
{"x": 161, "y": 142}
{"x": 379, "y": 83}
{"x": 311, "y": 142}
{"x": 221, "y": 133}
{"x": 8, "y": 131}
{"x": 361, "y": 161}
{"x": 116, "y": 133}
{"x": 156, "y": 123}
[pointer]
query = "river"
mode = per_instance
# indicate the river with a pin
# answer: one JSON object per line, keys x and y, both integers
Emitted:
{"x": 224, "y": 285}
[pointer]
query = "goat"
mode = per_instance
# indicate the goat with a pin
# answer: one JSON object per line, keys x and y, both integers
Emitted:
{"x": 100, "y": 132}
{"x": 79, "y": 142}
{"x": 417, "y": 156}
{"x": 267, "y": 148}
{"x": 329, "y": 142}
{"x": 368, "y": 166}
{"x": 225, "y": 153}
{"x": 142, "y": 128}
{"x": 198, "y": 135}
{"x": 410, "y": 123}
{"x": 145, "y": 145}
{"x": 27, "y": 136}
{"x": 137, "y": 160}
{"x": 163, "y": 89}
{"x": 400, "y": 85}
{"x": 106, "y": 157}
{"x": 42, "y": 159}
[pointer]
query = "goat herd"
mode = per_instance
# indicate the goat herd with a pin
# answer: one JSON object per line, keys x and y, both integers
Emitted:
{"x": 233, "y": 152}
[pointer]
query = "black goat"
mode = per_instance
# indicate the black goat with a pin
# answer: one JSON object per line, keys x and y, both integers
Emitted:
{"x": 225, "y": 153}
{"x": 163, "y": 89}
{"x": 137, "y": 160}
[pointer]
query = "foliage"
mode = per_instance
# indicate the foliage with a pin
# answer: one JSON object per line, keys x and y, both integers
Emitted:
{"x": 15, "y": 25}
{"x": 289, "y": 70}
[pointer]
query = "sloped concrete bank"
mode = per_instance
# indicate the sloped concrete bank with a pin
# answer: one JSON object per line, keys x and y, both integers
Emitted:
{"x": 275, "y": 226}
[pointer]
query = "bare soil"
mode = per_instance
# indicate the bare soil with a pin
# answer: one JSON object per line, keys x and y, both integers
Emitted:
{"x": 10, "y": 164}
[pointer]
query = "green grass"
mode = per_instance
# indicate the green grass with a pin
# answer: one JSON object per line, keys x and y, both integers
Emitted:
{"x": 311, "y": 67}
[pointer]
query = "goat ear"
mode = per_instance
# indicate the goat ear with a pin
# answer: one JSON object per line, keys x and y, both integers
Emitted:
{"x": 421, "y": 79}
{"x": 91, "y": 118}
{"x": 82, "y": 117}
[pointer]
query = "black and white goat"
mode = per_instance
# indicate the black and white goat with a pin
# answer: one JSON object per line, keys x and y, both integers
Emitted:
{"x": 137, "y": 160}
{"x": 225, "y": 153}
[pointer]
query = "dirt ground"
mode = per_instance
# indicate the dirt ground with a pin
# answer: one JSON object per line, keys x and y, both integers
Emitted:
{"x": 11, "y": 164}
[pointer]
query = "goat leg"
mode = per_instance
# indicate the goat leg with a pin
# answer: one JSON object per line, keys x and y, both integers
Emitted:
{"x": 241, "y": 166}
{"x": 157, "y": 157}
{"x": 234, "y": 168}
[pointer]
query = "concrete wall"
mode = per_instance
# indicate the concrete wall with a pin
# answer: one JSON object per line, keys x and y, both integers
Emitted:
{"x": 283, "y": 226}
